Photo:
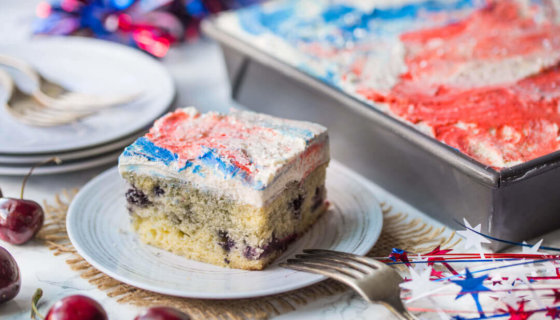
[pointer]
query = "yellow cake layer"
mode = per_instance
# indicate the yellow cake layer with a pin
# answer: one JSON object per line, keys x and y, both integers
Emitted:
{"x": 172, "y": 215}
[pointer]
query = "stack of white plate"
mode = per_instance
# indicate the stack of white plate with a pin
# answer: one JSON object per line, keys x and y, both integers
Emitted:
{"x": 90, "y": 66}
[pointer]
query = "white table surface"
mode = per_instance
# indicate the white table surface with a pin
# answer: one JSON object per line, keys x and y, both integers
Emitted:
{"x": 200, "y": 77}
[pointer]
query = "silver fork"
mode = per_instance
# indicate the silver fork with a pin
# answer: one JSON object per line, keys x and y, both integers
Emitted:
{"x": 26, "y": 109}
{"x": 57, "y": 97}
{"x": 375, "y": 281}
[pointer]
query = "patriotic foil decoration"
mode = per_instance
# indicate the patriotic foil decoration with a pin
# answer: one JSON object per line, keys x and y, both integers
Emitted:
{"x": 150, "y": 25}
{"x": 477, "y": 284}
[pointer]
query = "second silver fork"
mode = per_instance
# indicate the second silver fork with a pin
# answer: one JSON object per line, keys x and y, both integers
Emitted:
{"x": 375, "y": 281}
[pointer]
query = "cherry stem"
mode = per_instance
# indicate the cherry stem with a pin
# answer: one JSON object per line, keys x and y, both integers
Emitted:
{"x": 53, "y": 159}
{"x": 1, "y": 195}
{"x": 34, "y": 301}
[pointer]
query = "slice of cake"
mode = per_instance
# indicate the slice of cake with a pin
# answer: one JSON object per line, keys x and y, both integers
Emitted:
{"x": 232, "y": 190}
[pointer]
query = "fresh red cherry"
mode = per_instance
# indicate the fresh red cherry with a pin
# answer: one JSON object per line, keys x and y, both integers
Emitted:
{"x": 162, "y": 313}
{"x": 21, "y": 219}
{"x": 76, "y": 307}
{"x": 10, "y": 281}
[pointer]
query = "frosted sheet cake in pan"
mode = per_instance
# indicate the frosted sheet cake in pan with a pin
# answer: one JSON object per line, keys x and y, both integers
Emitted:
{"x": 481, "y": 76}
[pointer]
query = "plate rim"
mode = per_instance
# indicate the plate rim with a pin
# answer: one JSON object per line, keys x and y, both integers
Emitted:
{"x": 70, "y": 166}
{"x": 70, "y": 156}
{"x": 313, "y": 278}
{"x": 171, "y": 97}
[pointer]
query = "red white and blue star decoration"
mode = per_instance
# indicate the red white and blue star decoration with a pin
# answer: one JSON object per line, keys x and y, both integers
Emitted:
{"x": 511, "y": 286}
{"x": 519, "y": 313}
{"x": 150, "y": 25}
{"x": 473, "y": 286}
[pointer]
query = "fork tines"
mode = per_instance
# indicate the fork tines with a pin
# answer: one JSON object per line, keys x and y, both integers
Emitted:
{"x": 375, "y": 281}
{"x": 337, "y": 265}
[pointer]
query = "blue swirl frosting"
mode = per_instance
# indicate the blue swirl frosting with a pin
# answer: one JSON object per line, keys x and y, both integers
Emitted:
{"x": 145, "y": 148}
{"x": 337, "y": 22}
{"x": 209, "y": 158}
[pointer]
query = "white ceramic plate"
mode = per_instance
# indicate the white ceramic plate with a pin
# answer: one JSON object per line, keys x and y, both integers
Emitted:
{"x": 98, "y": 226}
{"x": 92, "y": 66}
{"x": 70, "y": 166}
{"x": 69, "y": 156}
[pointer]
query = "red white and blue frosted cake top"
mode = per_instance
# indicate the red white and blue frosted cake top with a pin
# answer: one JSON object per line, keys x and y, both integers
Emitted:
{"x": 250, "y": 148}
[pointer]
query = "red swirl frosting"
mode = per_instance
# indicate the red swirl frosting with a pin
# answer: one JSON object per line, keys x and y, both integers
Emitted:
{"x": 488, "y": 85}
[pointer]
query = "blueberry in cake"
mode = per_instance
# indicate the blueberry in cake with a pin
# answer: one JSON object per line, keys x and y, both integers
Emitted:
{"x": 232, "y": 190}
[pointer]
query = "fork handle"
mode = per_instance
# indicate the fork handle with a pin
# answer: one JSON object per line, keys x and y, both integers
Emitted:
{"x": 20, "y": 65}
{"x": 409, "y": 316}
{"x": 405, "y": 315}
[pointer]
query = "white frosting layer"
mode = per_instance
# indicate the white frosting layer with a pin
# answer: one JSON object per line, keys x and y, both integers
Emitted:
{"x": 280, "y": 151}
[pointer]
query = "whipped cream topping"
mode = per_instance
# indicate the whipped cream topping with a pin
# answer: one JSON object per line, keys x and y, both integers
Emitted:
{"x": 245, "y": 156}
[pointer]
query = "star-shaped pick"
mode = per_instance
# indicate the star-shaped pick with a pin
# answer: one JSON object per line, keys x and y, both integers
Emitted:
{"x": 439, "y": 252}
{"x": 511, "y": 298}
{"x": 534, "y": 249}
{"x": 550, "y": 268}
{"x": 471, "y": 285}
{"x": 501, "y": 280}
{"x": 472, "y": 239}
{"x": 419, "y": 283}
{"x": 553, "y": 313}
{"x": 497, "y": 279}
{"x": 520, "y": 271}
{"x": 436, "y": 252}
{"x": 399, "y": 255}
{"x": 437, "y": 274}
{"x": 519, "y": 313}
{"x": 555, "y": 294}
{"x": 420, "y": 264}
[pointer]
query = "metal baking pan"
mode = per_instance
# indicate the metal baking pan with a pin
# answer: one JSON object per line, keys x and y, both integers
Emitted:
{"x": 516, "y": 203}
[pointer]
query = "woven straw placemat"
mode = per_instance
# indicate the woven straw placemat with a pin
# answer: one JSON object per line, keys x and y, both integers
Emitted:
{"x": 399, "y": 231}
